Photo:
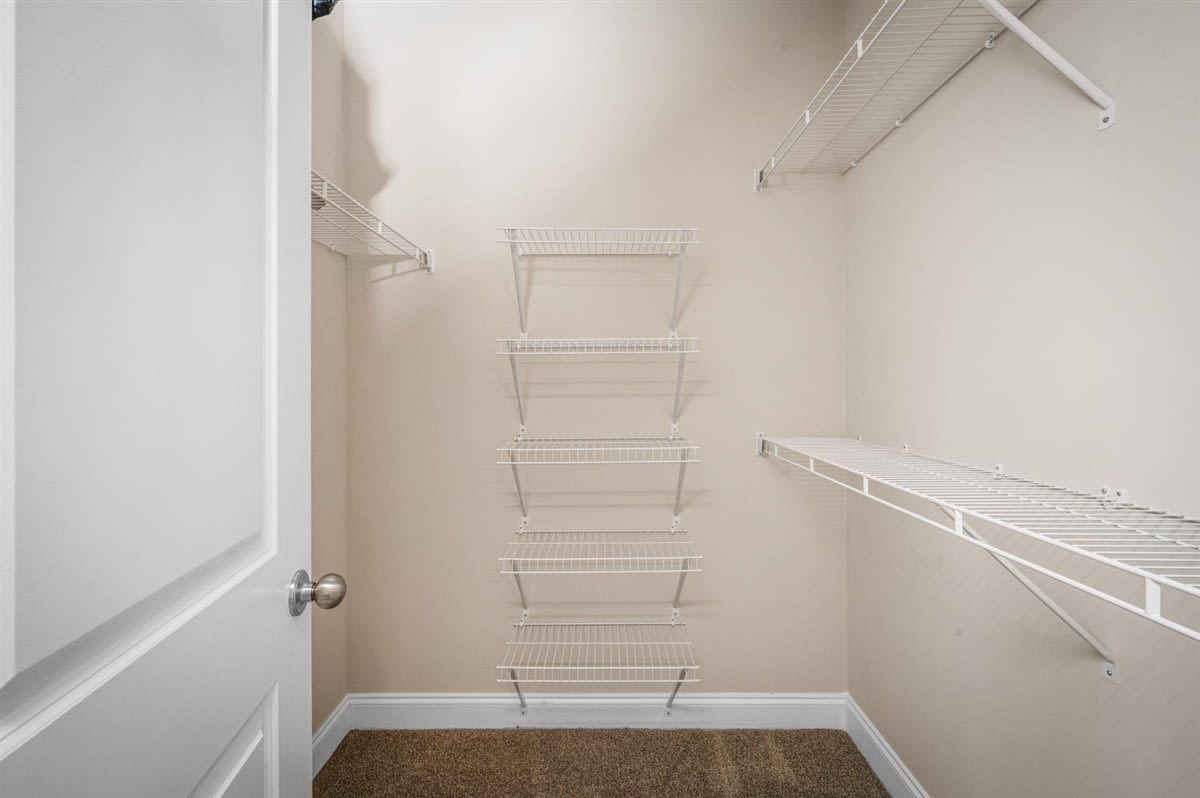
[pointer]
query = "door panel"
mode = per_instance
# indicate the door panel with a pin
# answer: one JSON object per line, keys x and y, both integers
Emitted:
{"x": 156, "y": 490}
{"x": 241, "y": 771}
{"x": 145, "y": 410}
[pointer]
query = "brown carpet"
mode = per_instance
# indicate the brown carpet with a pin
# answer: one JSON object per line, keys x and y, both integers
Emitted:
{"x": 597, "y": 763}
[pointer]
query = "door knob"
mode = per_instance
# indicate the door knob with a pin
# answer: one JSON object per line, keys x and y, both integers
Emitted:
{"x": 327, "y": 592}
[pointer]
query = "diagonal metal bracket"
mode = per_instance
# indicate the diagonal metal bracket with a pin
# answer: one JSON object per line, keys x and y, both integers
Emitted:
{"x": 1109, "y": 667}
{"x": 1108, "y": 106}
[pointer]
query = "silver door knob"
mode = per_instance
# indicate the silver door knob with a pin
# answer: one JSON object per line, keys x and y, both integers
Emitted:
{"x": 327, "y": 592}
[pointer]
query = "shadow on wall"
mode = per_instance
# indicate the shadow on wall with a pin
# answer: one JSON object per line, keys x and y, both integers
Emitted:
{"x": 369, "y": 175}
{"x": 343, "y": 125}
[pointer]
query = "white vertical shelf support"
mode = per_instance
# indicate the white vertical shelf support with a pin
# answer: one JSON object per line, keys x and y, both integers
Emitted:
{"x": 1108, "y": 106}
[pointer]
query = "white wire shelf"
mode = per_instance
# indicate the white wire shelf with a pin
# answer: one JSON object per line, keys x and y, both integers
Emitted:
{"x": 534, "y": 241}
{"x": 625, "y": 551}
{"x": 599, "y": 451}
{"x": 598, "y": 346}
{"x": 596, "y": 451}
{"x": 1161, "y": 549}
{"x": 525, "y": 242}
{"x": 516, "y": 348}
{"x": 908, "y": 50}
{"x": 345, "y": 225}
{"x": 603, "y": 652}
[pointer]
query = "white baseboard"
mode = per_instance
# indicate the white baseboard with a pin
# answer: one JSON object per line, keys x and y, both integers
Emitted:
{"x": 331, "y": 733}
{"x": 616, "y": 710}
{"x": 882, "y": 758}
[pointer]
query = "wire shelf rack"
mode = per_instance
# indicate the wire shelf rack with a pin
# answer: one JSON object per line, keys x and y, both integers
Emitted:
{"x": 602, "y": 652}
{"x": 595, "y": 451}
{"x": 1161, "y": 549}
{"x": 534, "y": 241}
{"x": 908, "y": 50}
{"x": 345, "y": 225}
{"x": 624, "y": 551}
{"x": 598, "y": 346}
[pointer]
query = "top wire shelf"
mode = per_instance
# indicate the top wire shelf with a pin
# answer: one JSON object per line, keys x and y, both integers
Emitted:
{"x": 1160, "y": 548}
{"x": 345, "y": 225}
{"x": 533, "y": 241}
{"x": 908, "y": 50}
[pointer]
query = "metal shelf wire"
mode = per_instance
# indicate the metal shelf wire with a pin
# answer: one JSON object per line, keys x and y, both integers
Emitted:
{"x": 624, "y": 551}
{"x": 526, "y": 242}
{"x": 599, "y": 451}
{"x": 345, "y": 225}
{"x": 603, "y": 652}
{"x": 597, "y": 346}
{"x": 595, "y": 451}
{"x": 1161, "y": 549}
{"x": 534, "y": 241}
{"x": 908, "y": 50}
{"x": 516, "y": 348}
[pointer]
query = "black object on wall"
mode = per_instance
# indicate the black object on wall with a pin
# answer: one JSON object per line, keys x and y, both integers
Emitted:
{"x": 321, "y": 8}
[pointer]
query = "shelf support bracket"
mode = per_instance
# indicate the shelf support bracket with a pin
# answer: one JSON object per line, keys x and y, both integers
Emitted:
{"x": 1110, "y": 670}
{"x": 678, "y": 494}
{"x": 678, "y": 593}
{"x": 517, "y": 686}
{"x": 512, "y": 362}
{"x": 678, "y": 392}
{"x": 675, "y": 690}
{"x": 678, "y": 290}
{"x": 520, "y": 589}
{"x": 1108, "y": 106}
{"x": 516, "y": 262}
{"x": 520, "y": 493}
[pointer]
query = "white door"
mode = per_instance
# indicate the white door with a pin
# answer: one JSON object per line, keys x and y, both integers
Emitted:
{"x": 155, "y": 393}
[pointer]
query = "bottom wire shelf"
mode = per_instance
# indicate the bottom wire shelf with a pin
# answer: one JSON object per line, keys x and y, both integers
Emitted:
{"x": 599, "y": 652}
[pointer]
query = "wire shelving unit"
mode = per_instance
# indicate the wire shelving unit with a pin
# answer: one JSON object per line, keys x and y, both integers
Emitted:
{"x": 1160, "y": 549}
{"x": 908, "y": 50}
{"x": 599, "y": 653}
{"x": 601, "y": 551}
{"x": 516, "y": 348}
{"x": 527, "y": 242}
{"x": 345, "y": 225}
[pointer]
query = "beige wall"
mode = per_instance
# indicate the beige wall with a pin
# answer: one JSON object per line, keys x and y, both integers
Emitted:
{"x": 329, "y": 379}
{"x": 464, "y": 117}
{"x": 1021, "y": 289}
